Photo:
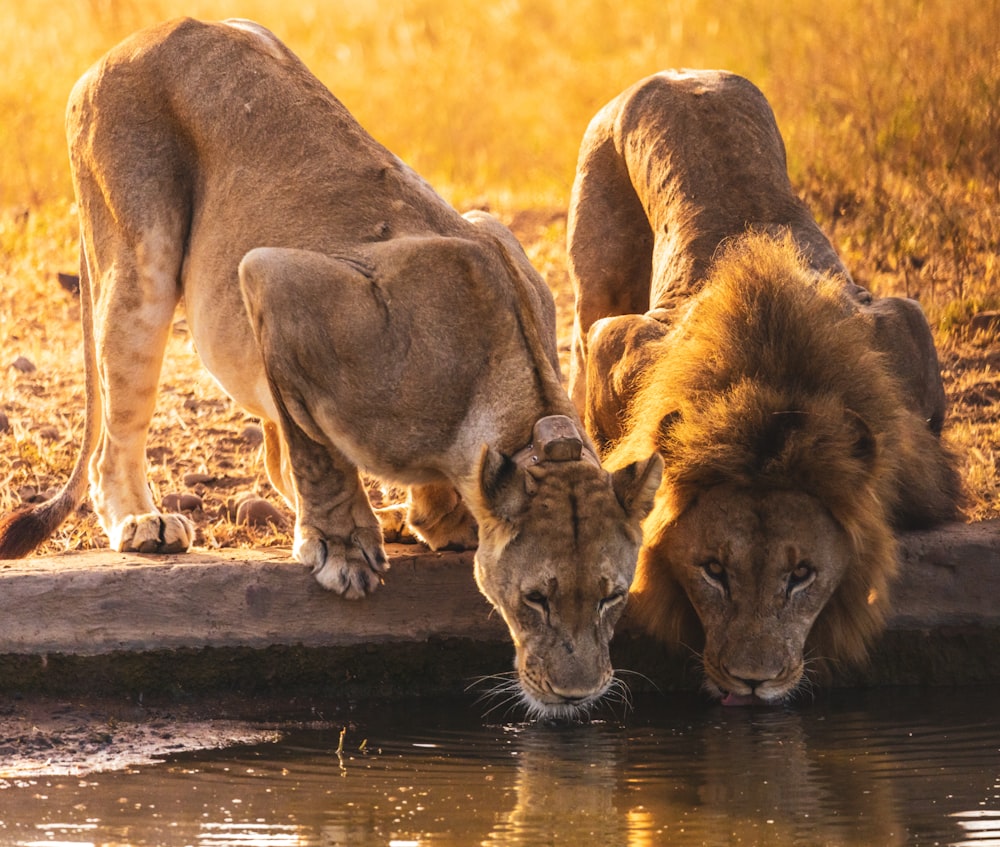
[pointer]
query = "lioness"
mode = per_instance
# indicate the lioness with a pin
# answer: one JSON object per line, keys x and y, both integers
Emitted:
{"x": 797, "y": 415}
{"x": 335, "y": 295}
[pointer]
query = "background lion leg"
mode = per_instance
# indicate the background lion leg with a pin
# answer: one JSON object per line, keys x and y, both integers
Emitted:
{"x": 277, "y": 462}
{"x": 134, "y": 301}
{"x": 439, "y": 517}
{"x": 903, "y": 335}
{"x": 621, "y": 349}
{"x": 336, "y": 531}
{"x": 610, "y": 276}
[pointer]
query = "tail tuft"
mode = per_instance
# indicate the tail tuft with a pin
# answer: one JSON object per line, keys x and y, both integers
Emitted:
{"x": 26, "y": 528}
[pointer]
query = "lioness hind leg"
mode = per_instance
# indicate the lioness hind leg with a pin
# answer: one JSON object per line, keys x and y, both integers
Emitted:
{"x": 439, "y": 518}
{"x": 134, "y": 301}
{"x": 336, "y": 532}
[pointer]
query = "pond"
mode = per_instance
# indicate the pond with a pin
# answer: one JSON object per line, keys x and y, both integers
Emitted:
{"x": 880, "y": 767}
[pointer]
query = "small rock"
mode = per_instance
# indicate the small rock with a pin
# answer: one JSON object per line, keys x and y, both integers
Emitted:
{"x": 69, "y": 282}
{"x": 254, "y": 511}
{"x": 193, "y": 479}
{"x": 252, "y": 434}
{"x": 985, "y": 322}
{"x": 24, "y": 365}
{"x": 49, "y": 433}
{"x": 177, "y": 502}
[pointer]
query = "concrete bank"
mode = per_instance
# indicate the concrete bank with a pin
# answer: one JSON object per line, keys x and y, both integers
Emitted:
{"x": 255, "y": 621}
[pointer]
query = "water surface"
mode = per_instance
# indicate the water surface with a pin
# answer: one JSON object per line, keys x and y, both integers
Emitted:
{"x": 897, "y": 766}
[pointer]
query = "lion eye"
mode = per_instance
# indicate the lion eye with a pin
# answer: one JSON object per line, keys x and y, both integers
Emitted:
{"x": 715, "y": 573}
{"x": 803, "y": 574}
{"x": 537, "y": 601}
{"x": 613, "y": 599}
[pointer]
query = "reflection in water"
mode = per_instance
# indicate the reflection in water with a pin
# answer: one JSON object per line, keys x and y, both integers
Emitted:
{"x": 982, "y": 829}
{"x": 857, "y": 769}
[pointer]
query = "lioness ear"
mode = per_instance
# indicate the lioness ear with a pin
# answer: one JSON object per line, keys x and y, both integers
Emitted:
{"x": 635, "y": 486}
{"x": 502, "y": 484}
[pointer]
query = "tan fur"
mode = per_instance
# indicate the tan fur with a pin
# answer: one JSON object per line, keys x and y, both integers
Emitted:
{"x": 797, "y": 416}
{"x": 335, "y": 295}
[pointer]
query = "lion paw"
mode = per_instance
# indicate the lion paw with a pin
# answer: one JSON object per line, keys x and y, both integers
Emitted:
{"x": 454, "y": 531}
{"x": 153, "y": 533}
{"x": 394, "y": 526}
{"x": 351, "y": 568}
{"x": 437, "y": 516}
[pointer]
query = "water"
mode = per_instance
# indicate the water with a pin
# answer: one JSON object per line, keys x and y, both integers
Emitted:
{"x": 879, "y": 768}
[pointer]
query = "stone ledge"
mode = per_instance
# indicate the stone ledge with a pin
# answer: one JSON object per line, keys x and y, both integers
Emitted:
{"x": 99, "y": 602}
{"x": 251, "y": 618}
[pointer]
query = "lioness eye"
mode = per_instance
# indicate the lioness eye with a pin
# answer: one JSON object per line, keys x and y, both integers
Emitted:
{"x": 537, "y": 600}
{"x": 800, "y": 577}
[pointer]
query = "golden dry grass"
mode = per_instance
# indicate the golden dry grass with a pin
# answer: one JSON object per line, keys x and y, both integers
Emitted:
{"x": 890, "y": 110}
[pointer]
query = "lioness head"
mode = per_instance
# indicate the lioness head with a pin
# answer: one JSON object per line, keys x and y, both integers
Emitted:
{"x": 557, "y": 552}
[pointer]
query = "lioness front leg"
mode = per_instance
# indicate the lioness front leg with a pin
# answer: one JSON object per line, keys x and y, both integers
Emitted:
{"x": 336, "y": 531}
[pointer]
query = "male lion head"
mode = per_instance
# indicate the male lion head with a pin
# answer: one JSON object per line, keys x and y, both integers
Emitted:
{"x": 556, "y": 558}
{"x": 790, "y": 455}
{"x": 758, "y": 567}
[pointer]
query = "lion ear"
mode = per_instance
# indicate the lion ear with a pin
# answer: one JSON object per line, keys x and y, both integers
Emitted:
{"x": 665, "y": 430}
{"x": 503, "y": 486}
{"x": 635, "y": 486}
{"x": 865, "y": 445}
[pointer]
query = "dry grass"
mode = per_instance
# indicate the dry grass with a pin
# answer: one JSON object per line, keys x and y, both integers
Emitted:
{"x": 892, "y": 140}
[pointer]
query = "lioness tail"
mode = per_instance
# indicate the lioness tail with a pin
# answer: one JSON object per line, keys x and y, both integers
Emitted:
{"x": 27, "y": 527}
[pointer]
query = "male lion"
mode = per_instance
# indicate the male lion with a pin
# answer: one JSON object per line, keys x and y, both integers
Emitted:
{"x": 334, "y": 294}
{"x": 797, "y": 416}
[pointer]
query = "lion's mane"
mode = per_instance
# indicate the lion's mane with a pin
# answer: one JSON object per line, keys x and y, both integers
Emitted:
{"x": 769, "y": 381}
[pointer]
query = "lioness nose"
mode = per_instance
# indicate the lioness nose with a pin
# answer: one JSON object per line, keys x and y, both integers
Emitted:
{"x": 572, "y": 695}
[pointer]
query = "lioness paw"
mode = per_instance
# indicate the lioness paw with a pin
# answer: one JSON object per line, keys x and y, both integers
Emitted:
{"x": 153, "y": 533}
{"x": 352, "y": 568}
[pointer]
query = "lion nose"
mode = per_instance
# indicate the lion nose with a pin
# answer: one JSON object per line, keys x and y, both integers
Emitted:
{"x": 750, "y": 682}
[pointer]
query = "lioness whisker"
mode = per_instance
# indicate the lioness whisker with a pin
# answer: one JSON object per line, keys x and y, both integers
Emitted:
{"x": 641, "y": 676}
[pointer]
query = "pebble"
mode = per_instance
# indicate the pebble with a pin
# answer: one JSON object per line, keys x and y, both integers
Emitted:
{"x": 254, "y": 511}
{"x": 252, "y": 434}
{"x": 24, "y": 365}
{"x": 177, "y": 502}
{"x": 193, "y": 479}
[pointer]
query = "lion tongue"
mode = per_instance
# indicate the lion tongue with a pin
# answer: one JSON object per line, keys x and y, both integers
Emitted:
{"x": 740, "y": 699}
